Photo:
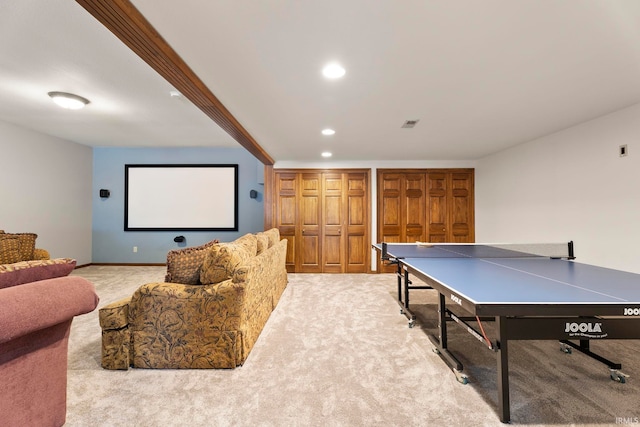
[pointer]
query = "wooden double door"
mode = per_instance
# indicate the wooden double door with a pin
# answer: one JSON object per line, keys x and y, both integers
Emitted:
{"x": 325, "y": 216}
{"x": 425, "y": 205}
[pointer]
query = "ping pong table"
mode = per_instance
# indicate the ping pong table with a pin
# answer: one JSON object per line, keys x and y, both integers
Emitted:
{"x": 528, "y": 296}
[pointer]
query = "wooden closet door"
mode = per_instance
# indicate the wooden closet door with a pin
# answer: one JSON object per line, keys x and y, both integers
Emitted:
{"x": 402, "y": 205}
{"x": 401, "y": 208}
{"x": 333, "y": 248}
{"x": 326, "y": 218}
{"x": 428, "y": 205}
{"x": 310, "y": 216}
{"x": 451, "y": 207}
{"x": 438, "y": 187}
{"x": 345, "y": 241}
{"x": 390, "y": 227}
{"x": 414, "y": 206}
{"x": 356, "y": 233}
{"x": 462, "y": 216}
{"x": 286, "y": 213}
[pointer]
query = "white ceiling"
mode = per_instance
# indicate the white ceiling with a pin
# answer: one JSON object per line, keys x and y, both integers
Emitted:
{"x": 479, "y": 75}
{"x": 56, "y": 45}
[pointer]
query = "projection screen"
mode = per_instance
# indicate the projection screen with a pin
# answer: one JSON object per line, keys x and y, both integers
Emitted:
{"x": 199, "y": 197}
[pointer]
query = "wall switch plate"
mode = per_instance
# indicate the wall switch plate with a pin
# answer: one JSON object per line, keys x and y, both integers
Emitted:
{"x": 623, "y": 150}
{"x": 135, "y": 249}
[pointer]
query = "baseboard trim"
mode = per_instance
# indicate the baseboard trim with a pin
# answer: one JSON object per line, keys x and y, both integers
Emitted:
{"x": 123, "y": 264}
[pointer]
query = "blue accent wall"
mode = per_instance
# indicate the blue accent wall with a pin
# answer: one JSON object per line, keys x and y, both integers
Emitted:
{"x": 111, "y": 244}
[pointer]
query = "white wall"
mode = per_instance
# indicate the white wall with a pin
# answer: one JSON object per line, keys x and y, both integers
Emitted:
{"x": 571, "y": 185}
{"x": 45, "y": 188}
{"x": 374, "y": 166}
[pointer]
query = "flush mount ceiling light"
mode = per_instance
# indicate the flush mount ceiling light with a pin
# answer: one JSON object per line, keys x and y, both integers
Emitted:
{"x": 68, "y": 100}
{"x": 326, "y": 154}
{"x": 333, "y": 71}
{"x": 328, "y": 131}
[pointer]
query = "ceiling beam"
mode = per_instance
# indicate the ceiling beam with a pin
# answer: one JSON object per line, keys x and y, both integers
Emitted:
{"x": 127, "y": 23}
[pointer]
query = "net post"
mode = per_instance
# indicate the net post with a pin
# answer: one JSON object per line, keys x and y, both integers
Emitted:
{"x": 570, "y": 247}
{"x": 384, "y": 255}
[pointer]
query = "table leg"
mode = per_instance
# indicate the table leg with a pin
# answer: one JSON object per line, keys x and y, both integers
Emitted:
{"x": 407, "y": 283}
{"x": 440, "y": 343}
{"x": 442, "y": 321}
{"x": 503, "y": 370}
{"x": 403, "y": 296}
{"x": 399, "y": 274}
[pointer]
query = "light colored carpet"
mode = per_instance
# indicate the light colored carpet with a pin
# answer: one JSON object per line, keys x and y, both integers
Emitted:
{"x": 337, "y": 352}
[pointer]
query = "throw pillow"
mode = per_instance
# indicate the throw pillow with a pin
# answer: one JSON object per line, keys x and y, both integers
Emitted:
{"x": 33, "y": 271}
{"x": 263, "y": 242}
{"x": 249, "y": 242}
{"x": 223, "y": 258}
{"x": 9, "y": 249}
{"x": 183, "y": 265}
{"x": 274, "y": 236}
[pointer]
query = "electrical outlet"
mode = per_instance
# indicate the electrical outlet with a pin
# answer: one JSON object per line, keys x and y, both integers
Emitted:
{"x": 135, "y": 249}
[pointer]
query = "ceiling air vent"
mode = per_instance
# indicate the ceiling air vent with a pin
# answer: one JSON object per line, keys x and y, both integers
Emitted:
{"x": 409, "y": 124}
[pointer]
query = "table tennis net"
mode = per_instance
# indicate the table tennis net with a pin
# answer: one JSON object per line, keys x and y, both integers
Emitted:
{"x": 478, "y": 250}
{"x": 551, "y": 250}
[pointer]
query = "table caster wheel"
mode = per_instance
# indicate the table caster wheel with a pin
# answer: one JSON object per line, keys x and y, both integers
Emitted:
{"x": 618, "y": 376}
{"x": 462, "y": 378}
{"x": 565, "y": 348}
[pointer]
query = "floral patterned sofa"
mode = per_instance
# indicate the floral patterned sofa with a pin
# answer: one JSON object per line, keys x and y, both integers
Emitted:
{"x": 206, "y": 316}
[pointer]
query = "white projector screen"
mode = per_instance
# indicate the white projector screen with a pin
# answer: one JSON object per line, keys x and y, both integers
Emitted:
{"x": 181, "y": 197}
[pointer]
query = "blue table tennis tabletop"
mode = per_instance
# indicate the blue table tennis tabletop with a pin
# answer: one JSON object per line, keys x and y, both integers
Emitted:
{"x": 491, "y": 279}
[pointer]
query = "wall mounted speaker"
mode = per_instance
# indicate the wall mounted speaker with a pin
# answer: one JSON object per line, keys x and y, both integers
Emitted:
{"x": 253, "y": 194}
{"x": 105, "y": 193}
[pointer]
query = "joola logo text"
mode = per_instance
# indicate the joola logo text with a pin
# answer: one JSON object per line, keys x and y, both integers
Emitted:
{"x": 456, "y": 300}
{"x": 584, "y": 329}
{"x": 632, "y": 312}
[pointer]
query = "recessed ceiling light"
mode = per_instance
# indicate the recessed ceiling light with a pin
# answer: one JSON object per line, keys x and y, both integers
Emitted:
{"x": 68, "y": 100}
{"x": 326, "y": 154}
{"x": 328, "y": 131}
{"x": 333, "y": 71}
{"x": 175, "y": 94}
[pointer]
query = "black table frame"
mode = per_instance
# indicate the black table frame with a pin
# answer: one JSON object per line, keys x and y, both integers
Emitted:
{"x": 404, "y": 286}
{"x": 510, "y": 326}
